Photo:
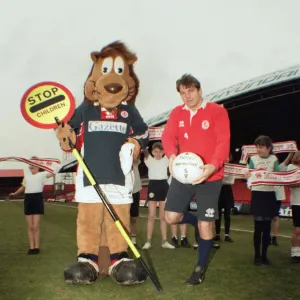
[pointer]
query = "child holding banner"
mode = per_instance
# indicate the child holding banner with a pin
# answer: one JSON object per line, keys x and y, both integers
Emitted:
{"x": 295, "y": 203}
{"x": 263, "y": 199}
{"x": 280, "y": 196}
{"x": 33, "y": 185}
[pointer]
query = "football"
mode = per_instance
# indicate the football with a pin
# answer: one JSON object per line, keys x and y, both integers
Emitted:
{"x": 186, "y": 167}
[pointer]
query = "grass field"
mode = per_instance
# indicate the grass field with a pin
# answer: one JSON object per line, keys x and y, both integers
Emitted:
{"x": 231, "y": 273}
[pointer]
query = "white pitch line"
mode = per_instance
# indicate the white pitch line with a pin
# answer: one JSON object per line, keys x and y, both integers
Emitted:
{"x": 145, "y": 217}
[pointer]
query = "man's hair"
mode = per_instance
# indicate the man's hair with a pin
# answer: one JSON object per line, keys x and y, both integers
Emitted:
{"x": 264, "y": 140}
{"x": 157, "y": 145}
{"x": 187, "y": 80}
{"x": 296, "y": 158}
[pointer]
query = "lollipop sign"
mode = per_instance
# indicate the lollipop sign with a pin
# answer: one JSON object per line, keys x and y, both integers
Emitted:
{"x": 44, "y": 102}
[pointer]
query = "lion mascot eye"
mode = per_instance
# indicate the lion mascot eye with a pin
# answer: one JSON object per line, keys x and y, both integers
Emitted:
{"x": 119, "y": 65}
{"x": 107, "y": 65}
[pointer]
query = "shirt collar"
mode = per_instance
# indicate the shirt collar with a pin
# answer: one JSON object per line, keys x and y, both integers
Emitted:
{"x": 203, "y": 105}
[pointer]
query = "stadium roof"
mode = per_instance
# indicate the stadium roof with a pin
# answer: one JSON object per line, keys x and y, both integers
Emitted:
{"x": 241, "y": 88}
{"x": 12, "y": 173}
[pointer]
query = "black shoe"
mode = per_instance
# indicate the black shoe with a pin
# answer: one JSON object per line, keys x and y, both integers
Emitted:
{"x": 36, "y": 251}
{"x": 185, "y": 243}
{"x": 274, "y": 241}
{"x": 30, "y": 251}
{"x": 295, "y": 259}
{"x": 228, "y": 239}
{"x": 196, "y": 277}
{"x": 257, "y": 261}
{"x": 266, "y": 261}
{"x": 175, "y": 242}
{"x": 217, "y": 237}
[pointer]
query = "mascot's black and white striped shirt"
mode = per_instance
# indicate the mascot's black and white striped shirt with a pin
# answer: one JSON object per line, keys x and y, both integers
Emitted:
{"x": 100, "y": 136}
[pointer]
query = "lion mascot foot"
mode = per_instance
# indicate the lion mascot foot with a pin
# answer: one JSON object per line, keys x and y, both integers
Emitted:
{"x": 84, "y": 271}
{"x": 126, "y": 271}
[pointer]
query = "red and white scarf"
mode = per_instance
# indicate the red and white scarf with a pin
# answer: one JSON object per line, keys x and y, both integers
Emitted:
{"x": 280, "y": 147}
{"x": 48, "y": 164}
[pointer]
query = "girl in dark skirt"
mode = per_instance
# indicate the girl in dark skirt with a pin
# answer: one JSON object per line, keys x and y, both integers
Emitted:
{"x": 33, "y": 185}
{"x": 158, "y": 187}
{"x": 263, "y": 199}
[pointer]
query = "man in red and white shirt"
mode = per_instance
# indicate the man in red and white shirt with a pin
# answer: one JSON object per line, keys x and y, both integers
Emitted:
{"x": 203, "y": 128}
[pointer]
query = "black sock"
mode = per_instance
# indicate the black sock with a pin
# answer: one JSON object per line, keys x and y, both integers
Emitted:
{"x": 218, "y": 223}
{"x": 204, "y": 247}
{"x": 258, "y": 225}
{"x": 266, "y": 238}
{"x": 227, "y": 220}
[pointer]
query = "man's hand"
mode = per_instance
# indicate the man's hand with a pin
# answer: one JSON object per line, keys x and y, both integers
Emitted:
{"x": 208, "y": 170}
{"x": 64, "y": 132}
{"x": 171, "y": 160}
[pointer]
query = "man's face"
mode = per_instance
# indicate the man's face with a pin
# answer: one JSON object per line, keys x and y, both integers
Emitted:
{"x": 263, "y": 150}
{"x": 157, "y": 153}
{"x": 190, "y": 96}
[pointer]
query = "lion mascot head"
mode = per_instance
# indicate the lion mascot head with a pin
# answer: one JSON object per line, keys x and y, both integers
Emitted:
{"x": 112, "y": 79}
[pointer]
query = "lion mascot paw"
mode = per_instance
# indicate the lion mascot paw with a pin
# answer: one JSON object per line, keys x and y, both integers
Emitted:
{"x": 127, "y": 271}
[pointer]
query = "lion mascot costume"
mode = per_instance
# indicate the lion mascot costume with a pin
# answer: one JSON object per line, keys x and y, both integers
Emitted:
{"x": 109, "y": 131}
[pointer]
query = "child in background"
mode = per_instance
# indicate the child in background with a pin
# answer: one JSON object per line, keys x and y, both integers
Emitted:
{"x": 33, "y": 185}
{"x": 263, "y": 199}
{"x": 183, "y": 232}
{"x": 226, "y": 202}
{"x": 295, "y": 203}
{"x": 280, "y": 196}
{"x": 135, "y": 205}
{"x": 158, "y": 186}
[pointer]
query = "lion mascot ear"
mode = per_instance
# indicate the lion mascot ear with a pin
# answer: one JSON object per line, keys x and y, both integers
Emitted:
{"x": 112, "y": 79}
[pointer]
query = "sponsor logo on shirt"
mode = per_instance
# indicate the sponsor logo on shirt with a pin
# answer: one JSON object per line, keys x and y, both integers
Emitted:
{"x": 205, "y": 124}
{"x": 124, "y": 114}
{"x": 210, "y": 212}
{"x": 107, "y": 126}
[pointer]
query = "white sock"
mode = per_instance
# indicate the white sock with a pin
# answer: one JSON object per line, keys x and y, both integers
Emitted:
{"x": 133, "y": 239}
{"x": 294, "y": 251}
{"x": 297, "y": 250}
{"x": 183, "y": 237}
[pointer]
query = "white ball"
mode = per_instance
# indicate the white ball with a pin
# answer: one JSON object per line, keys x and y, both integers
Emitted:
{"x": 186, "y": 167}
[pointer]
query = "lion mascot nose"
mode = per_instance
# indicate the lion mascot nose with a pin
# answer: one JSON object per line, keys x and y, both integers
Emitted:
{"x": 113, "y": 88}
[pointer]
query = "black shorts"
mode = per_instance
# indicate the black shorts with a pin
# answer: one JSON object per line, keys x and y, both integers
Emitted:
{"x": 263, "y": 205}
{"x": 207, "y": 196}
{"x": 135, "y": 205}
{"x": 296, "y": 215}
{"x": 278, "y": 205}
{"x": 226, "y": 199}
{"x": 34, "y": 204}
{"x": 157, "y": 190}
